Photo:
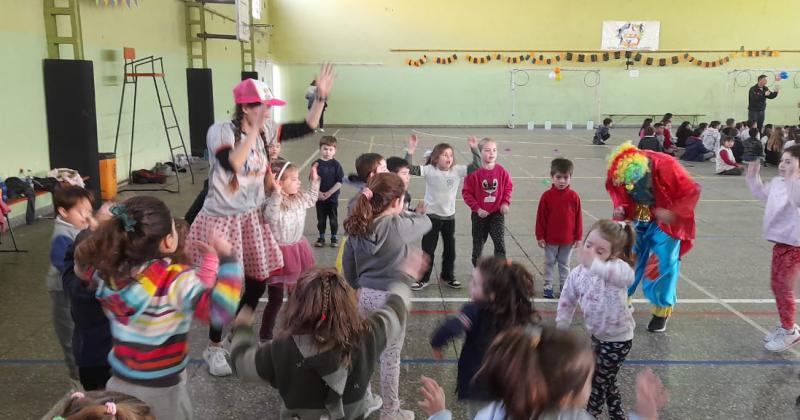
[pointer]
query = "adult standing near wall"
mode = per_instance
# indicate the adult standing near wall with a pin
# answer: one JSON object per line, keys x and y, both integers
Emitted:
{"x": 238, "y": 164}
{"x": 757, "y": 102}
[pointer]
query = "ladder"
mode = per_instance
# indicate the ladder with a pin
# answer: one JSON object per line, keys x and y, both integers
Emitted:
{"x": 169, "y": 119}
{"x": 56, "y": 37}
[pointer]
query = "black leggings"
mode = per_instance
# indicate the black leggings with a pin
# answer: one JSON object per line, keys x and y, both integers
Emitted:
{"x": 94, "y": 377}
{"x": 608, "y": 359}
{"x": 447, "y": 227}
{"x": 274, "y": 303}
{"x": 482, "y": 228}
{"x": 253, "y": 290}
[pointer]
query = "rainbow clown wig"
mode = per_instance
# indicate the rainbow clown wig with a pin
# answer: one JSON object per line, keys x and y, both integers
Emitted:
{"x": 627, "y": 165}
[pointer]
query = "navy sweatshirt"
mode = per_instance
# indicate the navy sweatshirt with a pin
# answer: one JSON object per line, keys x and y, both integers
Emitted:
{"x": 91, "y": 338}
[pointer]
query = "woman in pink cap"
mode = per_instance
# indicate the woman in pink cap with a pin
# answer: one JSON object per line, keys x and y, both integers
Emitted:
{"x": 238, "y": 163}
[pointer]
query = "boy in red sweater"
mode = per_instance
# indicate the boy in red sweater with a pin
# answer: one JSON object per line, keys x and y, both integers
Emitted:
{"x": 487, "y": 192}
{"x": 559, "y": 223}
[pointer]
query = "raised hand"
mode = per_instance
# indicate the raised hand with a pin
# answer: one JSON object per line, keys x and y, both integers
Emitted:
{"x": 433, "y": 400}
{"x": 753, "y": 168}
{"x": 472, "y": 141}
{"x": 324, "y": 80}
{"x": 412, "y": 143}
{"x": 313, "y": 175}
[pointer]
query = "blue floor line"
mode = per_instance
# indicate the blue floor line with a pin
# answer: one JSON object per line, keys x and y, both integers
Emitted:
{"x": 412, "y": 362}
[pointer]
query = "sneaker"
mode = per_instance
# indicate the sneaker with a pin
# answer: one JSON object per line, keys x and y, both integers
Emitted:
{"x": 217, "y": 363}
{"x": 657, "y": 324}
{"x": 398, "y": 415}
{"x": 455, "y": 284}
{"x": 374, "y": 403}
{"x": 334, "y": 242}
{"x": 548, "y": 293}
{"x": 320, "y": 243}
{"x": 419, "y": 285}
{"x": 771, "y": 336}
{"x": 784, "y": 339}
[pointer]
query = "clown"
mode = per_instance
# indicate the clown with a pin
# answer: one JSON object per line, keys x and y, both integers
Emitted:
{"x": 656, "y": 193}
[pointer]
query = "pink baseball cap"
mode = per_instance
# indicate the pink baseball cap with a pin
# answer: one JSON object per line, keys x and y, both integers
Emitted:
{"x": 251, "y": 90}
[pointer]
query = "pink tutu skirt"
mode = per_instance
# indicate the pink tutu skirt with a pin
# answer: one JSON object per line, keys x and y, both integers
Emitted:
{"x": 297, "y": 258}
{"x": 249, "y": 235}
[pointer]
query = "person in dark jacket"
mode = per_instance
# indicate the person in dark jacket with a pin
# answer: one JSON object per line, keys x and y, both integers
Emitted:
{"x": 649, "y": 141}
{"x": 757, "y": 100}
{"x": 695, "y": 150}
{"x": 683, "y": 133}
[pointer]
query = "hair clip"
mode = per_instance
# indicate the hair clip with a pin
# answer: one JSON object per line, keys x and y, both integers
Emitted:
{"x": 120, "y": 212}
{"x": 323, "y": 317}
{"x": 280, "y": 173}
{"x": 59, "y": 418}
{"x": 77, "y": 395}
{"x": 621, "y": 224}
{"x": 111, "y": 408}
{"x": 367, "y": 192}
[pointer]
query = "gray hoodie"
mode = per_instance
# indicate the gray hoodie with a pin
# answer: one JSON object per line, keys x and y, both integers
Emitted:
{"x": 371, "y": 260}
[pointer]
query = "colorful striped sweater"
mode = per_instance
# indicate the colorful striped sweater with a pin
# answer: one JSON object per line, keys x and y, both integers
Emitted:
{"x": 151, "y": 314}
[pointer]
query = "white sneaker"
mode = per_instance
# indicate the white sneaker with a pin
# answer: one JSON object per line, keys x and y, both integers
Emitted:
{"x": 784, "y": 339}
{"x": 771, "y": 336}
{"x": 374, "y": 402}
{"x": 398, "y": 415}
{"x": 215, "y": 357}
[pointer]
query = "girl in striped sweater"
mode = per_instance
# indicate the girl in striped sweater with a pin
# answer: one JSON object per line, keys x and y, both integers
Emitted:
{"x": 150, "y": 300}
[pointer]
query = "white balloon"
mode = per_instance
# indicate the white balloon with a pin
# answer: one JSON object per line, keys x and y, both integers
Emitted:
{"x": 552, "y": 75}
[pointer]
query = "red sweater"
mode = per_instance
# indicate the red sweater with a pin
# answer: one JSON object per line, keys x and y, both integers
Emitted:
{"x": 487, "y": 189}
{"x": 559, "y": 220}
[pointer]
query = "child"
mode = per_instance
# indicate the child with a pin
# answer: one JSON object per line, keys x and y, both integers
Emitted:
{"x": 650, "y": 141}
{"x": 753, "y": 149}
{"x": 781, "y": 227}
{"x": 648, "y": 122}
{"x": 73, "y": 206}
{"x": 600, "y": 284}
{"x": 711, "y": 136}
{"x": 544, "y": 374}
{"x": 603, "y": 133}
{"x": 380, "y": 232}
{"x": 726, "y": 164}
{"x": 695, "y": 150}
{"x": 559, "y": 223}
{"x": 684, "y": 132}
{"x": 442, "y": 179}
{"x": 91, "y": 337}
{"x": 331, "y": 176}
{"x": 502, "y": 298}
{"x": 102, "y": 405}
{"x": 285, "y": 210}
{"x": 402, "y": 168}
{"x": 487, "y": 192}
{"x": 274, "y": 150}
{"x": 150, "y": 300}
{"x": 367, "y": 166}
{"x": 667, "y": 143}
{"x": 774, "y": 146}
{"x": 323, "y": 358}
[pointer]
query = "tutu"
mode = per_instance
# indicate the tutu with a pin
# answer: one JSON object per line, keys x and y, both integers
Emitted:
{"x": 260, "y": 254}
{"x": 297, "y": 258}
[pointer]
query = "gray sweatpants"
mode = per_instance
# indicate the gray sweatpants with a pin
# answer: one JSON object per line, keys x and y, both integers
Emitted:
{"x": 556, "y": 254}
{"x": 167, "y": 403}
{"x": 63, "y": 325}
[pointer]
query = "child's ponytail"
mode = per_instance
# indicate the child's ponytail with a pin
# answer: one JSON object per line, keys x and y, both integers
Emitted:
{"x": 131, "y": 237}
{"x": 630, "y": 241}
{"x": 380, "y": 192}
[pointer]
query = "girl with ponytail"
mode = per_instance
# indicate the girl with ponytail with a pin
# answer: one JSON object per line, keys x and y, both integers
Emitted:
{"x": 325, "y": 351}
{"x": 380, "y": 233}
{"x": 600, "y": 285}
{"x": 502, "y": 293}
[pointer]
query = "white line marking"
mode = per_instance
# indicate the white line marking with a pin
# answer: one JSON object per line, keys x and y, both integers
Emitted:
{"x": 539, "y": 300}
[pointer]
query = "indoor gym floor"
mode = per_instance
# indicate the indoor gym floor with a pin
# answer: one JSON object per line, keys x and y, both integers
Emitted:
{"x": 711, "y": 358}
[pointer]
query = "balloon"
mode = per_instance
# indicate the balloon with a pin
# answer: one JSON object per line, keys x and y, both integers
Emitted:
{"x": 558, "y": 77}
{"x": 552, "y": 75}
{"x": 558, "y": 70}
{"x": 784, "y": 75}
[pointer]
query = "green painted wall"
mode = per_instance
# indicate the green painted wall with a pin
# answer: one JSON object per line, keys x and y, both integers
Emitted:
{"x": 376, "y": 87}
{"x": 155, "y": 27}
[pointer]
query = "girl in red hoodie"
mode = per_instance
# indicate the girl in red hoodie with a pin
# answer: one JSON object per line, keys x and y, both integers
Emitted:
{"x": 487, "y": 192}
